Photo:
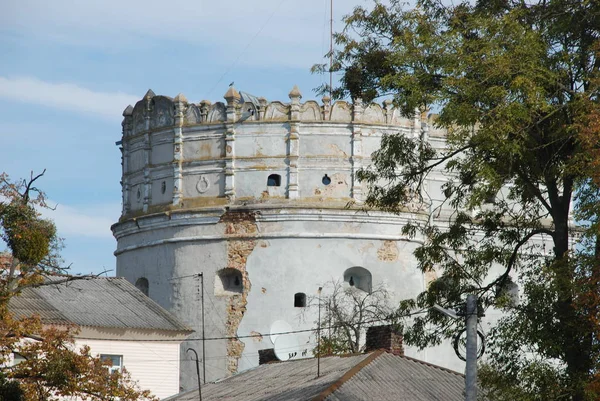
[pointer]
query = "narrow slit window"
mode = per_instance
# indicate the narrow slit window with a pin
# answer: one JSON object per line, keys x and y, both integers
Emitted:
{"x": 300, "y": 300}
{"x": 274, "y": 180}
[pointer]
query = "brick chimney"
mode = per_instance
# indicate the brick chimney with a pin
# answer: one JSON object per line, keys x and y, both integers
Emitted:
{"x": 5, "y": 260}
{"x": 384, "y": 337}
{"x": 266, "y": 356}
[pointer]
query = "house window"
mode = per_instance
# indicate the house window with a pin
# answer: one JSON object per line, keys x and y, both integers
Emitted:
{"x": 299, "y": 300}
{"x": 143, "y": 285}
{"x": 115, "y": 362}
{"x": 17, "y": 358}
{"x": 358, "y": 277}
{"x": 274, "y": 180}
{"x": 229, "y": 282}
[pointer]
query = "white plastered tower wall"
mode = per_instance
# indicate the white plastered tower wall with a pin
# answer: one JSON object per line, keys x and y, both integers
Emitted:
{"x": 267, "y": 191}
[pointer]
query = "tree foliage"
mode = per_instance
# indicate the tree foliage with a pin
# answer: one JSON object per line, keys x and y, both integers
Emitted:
{"x": 515, "y": 84}
{"x": 53, "y": 366}
{"x": 346, "y": 313}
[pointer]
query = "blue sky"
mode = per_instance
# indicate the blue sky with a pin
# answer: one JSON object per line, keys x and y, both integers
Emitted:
{"x": 69, "y": 68}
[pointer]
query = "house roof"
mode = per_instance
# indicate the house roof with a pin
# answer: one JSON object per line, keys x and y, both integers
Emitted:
{"x": 110, "y": 302}
{"x": 377, "y": 376}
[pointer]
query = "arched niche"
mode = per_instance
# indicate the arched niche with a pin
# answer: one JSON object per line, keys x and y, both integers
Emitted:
{"x": 359, "y": 277}
{"x": 274, "y": 180}
{"x": 299, "y": 300}
{"x": 228, "y": 281}
{"x": 143, "y": 285}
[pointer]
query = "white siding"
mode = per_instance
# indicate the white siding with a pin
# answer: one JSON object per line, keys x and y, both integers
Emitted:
{"x": 153, "y": 364}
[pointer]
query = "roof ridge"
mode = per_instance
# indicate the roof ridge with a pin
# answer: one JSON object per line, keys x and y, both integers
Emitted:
{"x": 348, "y": 375}
{"x": 427, "y": 364}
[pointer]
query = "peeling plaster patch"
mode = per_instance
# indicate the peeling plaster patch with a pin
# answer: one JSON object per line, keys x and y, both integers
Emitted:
{"x": 264, "y": 244}
{"x": 317, "y": 191}
{"x": 351, "y": 227}
{"x": 237, "y": 254}
{"x": 257, "y": 336}
{"x": 263, "y": 290}
{"x": 388, "y": 252}
{"x": 365, "y": 248}
{"x": 336, "y": 150}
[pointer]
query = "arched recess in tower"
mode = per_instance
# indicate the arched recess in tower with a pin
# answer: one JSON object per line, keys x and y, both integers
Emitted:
{"x": 143, "y": 285}
{"x": 228, "y": 282}
{"x": 359, "y": 277}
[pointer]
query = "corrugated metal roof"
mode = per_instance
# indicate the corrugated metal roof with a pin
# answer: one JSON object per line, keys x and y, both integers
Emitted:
{"x": 98, "y": 302}
{"x": 377, "y": 376}
{"x": 390, "y": 377}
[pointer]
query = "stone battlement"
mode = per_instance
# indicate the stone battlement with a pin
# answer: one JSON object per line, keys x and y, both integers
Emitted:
{"x": 178, "y": 154}
{"x": 153, "y": 112}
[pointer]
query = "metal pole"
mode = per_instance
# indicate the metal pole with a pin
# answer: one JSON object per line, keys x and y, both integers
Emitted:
{"x": 197, "y": 371}
{"x": 471, "y": 368}
{"x": 331, "y": 49}
{"x": 319, "y": 337}
{"x": 203, "y": 336}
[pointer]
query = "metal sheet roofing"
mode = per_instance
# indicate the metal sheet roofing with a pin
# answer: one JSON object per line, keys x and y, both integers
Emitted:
{"x": 98, "y": 302}
{"x": 377, "y": 376}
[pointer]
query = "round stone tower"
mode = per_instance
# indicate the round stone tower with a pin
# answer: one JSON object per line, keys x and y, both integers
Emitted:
{"x": 257, "y": 203}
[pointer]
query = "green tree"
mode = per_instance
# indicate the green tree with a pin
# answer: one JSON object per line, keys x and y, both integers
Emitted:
{"x": 346, "y": 313}
{"x": 515, "y": 84}
{"x": 53, "y": 366}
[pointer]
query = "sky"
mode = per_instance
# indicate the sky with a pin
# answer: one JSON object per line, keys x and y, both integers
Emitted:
{"x": 69, "y": 68}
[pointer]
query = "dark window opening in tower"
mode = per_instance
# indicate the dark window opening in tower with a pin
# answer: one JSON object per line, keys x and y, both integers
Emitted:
{"x": 143, "y": 285}
{"x": 274, "y": 180}
{"x": 229, "y": 281}
{"x": 300, "y": 300}
{"x": 359, "y": 277}
{"x": 326, "y": 180}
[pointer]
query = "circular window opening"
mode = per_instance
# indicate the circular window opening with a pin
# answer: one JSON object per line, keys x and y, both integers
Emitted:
{"x": 326, "y": 180}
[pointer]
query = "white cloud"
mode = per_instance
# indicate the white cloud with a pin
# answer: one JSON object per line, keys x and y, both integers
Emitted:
{"x": 267, "y": 32}
{"x": 65, "y": 96}
{"x": 92, "y": 221}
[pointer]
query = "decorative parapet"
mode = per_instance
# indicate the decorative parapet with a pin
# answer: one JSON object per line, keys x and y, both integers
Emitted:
{"x": 155, "y": 112}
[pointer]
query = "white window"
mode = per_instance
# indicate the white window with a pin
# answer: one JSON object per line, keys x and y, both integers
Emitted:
{"x": 17, "y": 358}
{"x": 115, "y": 360}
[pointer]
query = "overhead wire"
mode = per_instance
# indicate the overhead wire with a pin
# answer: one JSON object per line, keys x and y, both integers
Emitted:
{"x": 243, "y": 52}
{"x": 261, "y": 335}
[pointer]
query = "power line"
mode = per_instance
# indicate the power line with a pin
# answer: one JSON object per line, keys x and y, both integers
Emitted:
{"x": 261, "y": 335}
{"x": 243, "y": 52}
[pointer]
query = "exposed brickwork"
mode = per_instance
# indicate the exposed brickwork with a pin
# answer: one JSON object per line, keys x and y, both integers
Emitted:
{"x": 238, "y": 223}
{"x": 384, "y": 337}
{"x": 388, "y": 252}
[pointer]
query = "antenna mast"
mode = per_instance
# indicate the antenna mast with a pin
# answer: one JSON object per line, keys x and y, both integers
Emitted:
{"x": 331, "y": 49}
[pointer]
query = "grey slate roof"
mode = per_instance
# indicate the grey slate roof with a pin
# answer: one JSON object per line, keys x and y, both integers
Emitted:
{"x": 379, "y": 376}
{"x": 97, "y": 302}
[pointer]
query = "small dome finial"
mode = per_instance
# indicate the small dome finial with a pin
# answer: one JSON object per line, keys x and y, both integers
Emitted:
{"x": 295, "y": 93}
{"x": 128, "y": 111}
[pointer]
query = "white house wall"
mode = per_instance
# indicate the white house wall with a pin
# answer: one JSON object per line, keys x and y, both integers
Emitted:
{"x": 154, "y": 365}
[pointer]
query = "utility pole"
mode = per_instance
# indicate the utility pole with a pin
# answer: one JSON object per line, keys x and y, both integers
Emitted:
{"x": 203, "y": 336}
{"x": 471, "y": 368}
{"x": 331, "y": 49}
{"x": 319, "y": 336}
{"x": 197, "y": 371}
